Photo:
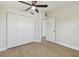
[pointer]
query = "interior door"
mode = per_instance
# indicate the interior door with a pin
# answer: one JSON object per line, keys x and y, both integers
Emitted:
{"x": 20, "y": 30}
{"x": 51, "y": 29}
{"x": 44, "y": 28}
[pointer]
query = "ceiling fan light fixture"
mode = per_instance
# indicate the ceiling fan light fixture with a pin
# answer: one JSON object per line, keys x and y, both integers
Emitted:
{"x": 33, "y": 7}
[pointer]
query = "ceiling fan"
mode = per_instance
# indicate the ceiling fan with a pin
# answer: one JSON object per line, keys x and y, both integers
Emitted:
{"x": 33, "y": 6}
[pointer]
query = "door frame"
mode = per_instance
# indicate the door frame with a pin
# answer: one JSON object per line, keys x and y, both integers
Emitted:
{"x": 7, "y": 26}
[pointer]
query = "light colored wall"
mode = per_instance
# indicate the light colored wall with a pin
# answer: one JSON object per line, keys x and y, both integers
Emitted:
{"x": 3, "y": 11}
{"x": 37, "y": 30}
{"x": 2, "y": 29}
{"x": 67, "y": 25}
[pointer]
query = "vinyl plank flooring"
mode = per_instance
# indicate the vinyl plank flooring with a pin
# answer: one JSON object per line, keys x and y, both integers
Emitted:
{"x": 43, "y": 49}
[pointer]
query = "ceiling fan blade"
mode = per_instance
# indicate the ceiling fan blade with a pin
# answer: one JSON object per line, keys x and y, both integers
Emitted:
{"x": 24, "y": 3}
{"x": 28, "y": 9}
{"x": 36, "y": 10}
{"x": 41, "y": 5}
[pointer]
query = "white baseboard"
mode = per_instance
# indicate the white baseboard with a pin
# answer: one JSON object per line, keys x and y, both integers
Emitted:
{"x": 68, "y": 46}
{"x": 3, "y": 49}
{"x": 72, "y": 47}
{"x": 37, "y": 41}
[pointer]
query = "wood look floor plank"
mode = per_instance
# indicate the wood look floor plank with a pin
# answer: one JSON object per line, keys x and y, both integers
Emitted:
{"x": 44, "y": 49}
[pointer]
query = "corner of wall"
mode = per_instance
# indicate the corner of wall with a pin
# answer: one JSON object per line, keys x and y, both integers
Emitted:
{"x": 68, "y": 46}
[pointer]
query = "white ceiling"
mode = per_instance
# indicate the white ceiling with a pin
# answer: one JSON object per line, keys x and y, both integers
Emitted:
{"x": 52, "y": 5}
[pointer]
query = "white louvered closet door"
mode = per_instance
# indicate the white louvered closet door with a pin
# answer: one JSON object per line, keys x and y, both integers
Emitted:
{"x": 20, "y": 30}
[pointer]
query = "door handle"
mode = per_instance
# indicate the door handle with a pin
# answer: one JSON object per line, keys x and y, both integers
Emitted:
{"x": 54, "y": 31}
